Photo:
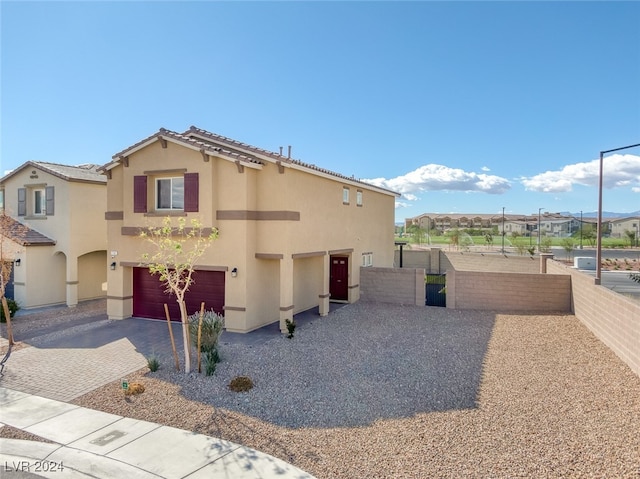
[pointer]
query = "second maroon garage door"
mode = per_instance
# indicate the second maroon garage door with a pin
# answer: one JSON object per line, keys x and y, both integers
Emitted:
{"x": 149, "y": 296}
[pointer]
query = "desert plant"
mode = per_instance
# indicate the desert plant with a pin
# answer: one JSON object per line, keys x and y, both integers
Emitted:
{"x": 291, "y": 327}
{"x": 13, "y": 308}
{"x": 153, "y": 363}
{"x": 210, "y": 331}
{"x": 205, "y": 329}
{"x": 635, "y": 277}
{"x": 134, "y": 388}
{"x": 241, "y": 384}
{"x": 211, "y": 360}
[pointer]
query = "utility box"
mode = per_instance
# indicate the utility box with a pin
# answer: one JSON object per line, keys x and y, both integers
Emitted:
{"x": 582, "y": 262}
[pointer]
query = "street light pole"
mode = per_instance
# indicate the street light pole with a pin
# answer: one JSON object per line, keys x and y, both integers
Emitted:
{"x": 539, "y": 210}
{"x": 580, "y": 229}
{"x": 599, "y": 225}
{"x": 503, "y": 230}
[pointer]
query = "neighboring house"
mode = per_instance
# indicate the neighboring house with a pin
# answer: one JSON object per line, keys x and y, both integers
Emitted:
{"x": 558, "y": 226}
{"x": 57, "y": 233}
{"x": 551, "y": 224}
{"x": 620, "y": 226}
{"x": 292, "y": 236}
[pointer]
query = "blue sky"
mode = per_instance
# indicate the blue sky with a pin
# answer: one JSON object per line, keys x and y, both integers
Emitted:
{"x": 464, "y": 107}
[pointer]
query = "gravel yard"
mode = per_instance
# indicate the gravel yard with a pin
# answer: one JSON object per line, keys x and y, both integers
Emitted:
{"x": 380, "y": 391}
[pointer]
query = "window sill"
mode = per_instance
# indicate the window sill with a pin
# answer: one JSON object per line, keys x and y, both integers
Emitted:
{"x": 32, "y": 217}
{"x": 161, "y": 214}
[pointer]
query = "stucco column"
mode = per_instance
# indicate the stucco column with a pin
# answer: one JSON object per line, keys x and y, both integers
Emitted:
{"x": 286, "y": 291}
{"x": 119, "y": 291}
{"x": 72, "y": 281}
{"x": 434, "y": 257}
{"x": 323, "y": 299}
{"x": 543, "y": 261}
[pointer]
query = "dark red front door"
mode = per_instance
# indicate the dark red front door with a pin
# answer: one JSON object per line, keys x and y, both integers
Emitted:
{"x": 149, "y": 294}
{"x": 339, "y": 281}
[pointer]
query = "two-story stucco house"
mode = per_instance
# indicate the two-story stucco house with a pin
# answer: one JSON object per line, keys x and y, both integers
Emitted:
{"x": 292, "y": 236}
{"x": 621, "y": 227}
{"x": 56, "y": 233}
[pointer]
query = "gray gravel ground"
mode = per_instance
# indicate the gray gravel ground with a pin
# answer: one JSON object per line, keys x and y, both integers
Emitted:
{"x": 380, "y": 391}
{"x": 357, "y": 365}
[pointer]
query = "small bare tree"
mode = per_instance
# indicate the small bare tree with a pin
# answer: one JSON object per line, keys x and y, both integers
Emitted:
{"x": 176, "y": 249}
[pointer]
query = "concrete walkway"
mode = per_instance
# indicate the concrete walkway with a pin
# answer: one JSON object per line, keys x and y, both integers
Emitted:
{"x": 56, "y": 365}
{"x": 88, "y": 443}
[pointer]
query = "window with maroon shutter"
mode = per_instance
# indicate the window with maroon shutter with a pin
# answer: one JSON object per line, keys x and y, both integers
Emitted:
{"x": 191, "y": 192}
{"x": 139, "y": 194}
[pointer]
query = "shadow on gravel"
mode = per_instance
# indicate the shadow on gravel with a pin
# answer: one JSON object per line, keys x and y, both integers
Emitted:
{"x": 360, "y": 364}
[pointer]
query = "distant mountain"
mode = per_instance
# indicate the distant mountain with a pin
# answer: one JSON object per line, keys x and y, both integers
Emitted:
{"x": 605, "y": 214}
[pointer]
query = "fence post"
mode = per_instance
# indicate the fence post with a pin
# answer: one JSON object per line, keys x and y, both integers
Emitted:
{"x": 543, "y": 261}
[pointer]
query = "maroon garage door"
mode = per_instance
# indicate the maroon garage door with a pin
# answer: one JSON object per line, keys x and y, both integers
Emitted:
{"x": 149, "y": 296}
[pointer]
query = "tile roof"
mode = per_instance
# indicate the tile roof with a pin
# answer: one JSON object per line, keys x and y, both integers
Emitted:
{"x": 276, "y": 156}
{"x": 22, "y": 234}
{"x": 203, "y": 140}
{"x": 84, "y": 173}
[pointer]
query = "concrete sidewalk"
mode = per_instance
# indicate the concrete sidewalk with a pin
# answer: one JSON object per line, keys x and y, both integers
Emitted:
{"x": 87, "y": 443}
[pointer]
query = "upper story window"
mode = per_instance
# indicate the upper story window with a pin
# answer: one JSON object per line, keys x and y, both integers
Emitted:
{"x": 1, "y": 201}
{"x": 39, "y": 202}
{"x": 359, "y": 198}
{"x": 345, "y": 195}
{"x": 170, "y": 193}
{"x": 36, "y": 201}
{"x": 165, "y": 191}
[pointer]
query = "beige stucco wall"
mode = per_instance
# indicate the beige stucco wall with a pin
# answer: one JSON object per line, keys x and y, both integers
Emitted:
{"x": 92, "y": 274}
{"x": 40, "y": 278}
{"x": 268, "y": 284}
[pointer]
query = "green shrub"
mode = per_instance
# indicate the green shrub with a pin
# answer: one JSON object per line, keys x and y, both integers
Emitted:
{"x": 291, "y": 327}
{"x": 153, "y": 364}
{"x": 13, "y": 307}
{"x": 211, "y": 359}
{"x": 212, "y": 326}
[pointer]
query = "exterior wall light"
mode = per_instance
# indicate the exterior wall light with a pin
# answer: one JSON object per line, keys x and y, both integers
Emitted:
{"x": 18, "y": 262}
{"x": 234, "y": 272}
{"x": 113, "y": 265}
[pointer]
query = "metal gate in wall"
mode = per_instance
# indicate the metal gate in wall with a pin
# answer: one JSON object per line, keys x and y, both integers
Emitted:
{"x": 435, "y": 290}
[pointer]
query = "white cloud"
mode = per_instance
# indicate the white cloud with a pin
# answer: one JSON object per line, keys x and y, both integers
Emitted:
{"x": 618, "y": 171}
{"x": 402, "y": 204}
{"x": 434, "y": 177}
{"x": 410, "y": 197}
{"x": 485, "y": 168}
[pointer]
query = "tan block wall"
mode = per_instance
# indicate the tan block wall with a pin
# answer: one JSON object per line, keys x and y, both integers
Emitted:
{"x": 393, "y": 285}
{"x": 465, "y": 261}
{"x": 513, "y": 292}
{"x": 413, "y": 259}
{"x": 611, "y": 317}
